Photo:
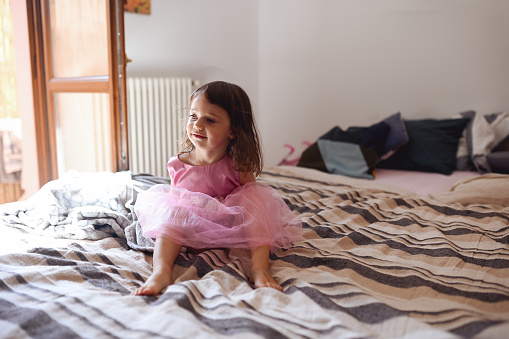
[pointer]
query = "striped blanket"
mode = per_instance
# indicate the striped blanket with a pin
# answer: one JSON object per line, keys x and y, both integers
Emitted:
{"x": 376, "y": 262}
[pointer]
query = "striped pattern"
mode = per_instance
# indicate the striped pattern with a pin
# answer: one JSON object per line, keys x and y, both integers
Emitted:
{"x": 374, "y": 264}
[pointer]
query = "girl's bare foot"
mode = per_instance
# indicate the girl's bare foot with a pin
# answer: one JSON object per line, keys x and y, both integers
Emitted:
{"x": 157, "y": 282}
{"x": 263, "y": 278}
{"x": 165, "y": 253}
{"x": 260, "y": 269}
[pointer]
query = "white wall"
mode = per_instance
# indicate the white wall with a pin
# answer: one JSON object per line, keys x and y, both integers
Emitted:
{"x": 207, "y": 40}
{"x": 312, "y": 64}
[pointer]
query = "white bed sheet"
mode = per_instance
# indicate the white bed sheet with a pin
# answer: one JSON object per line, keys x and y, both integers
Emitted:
{"x": 421, "y": 183}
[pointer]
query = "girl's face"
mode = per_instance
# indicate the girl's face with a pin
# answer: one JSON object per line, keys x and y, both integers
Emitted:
{"x": 209, "y": 126}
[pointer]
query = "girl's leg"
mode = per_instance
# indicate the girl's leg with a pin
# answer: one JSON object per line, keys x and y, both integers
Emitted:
{"x": 165, "y": 254}
{"x": 260, "y": 269}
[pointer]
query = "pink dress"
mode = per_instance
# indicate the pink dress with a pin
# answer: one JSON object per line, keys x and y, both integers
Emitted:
{"x": 206, "y": 207}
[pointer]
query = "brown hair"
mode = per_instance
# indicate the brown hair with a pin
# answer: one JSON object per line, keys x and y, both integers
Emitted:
{"x": 245, "y": 147}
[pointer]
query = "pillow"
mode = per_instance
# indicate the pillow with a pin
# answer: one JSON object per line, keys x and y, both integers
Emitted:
{"x": 432, "y": 146}
{"x": 397, "y": 135}
{"x": 347, "y": 158}
{"x": 312, "y": 158}
{"x": 463, "y": 160}
{"x": 340, "y": 157}
{"x": 483, "y": 135}
{"x": 499, "y": 162}
{"x": 356, "y": 151}
{"x": 503, "y": 146}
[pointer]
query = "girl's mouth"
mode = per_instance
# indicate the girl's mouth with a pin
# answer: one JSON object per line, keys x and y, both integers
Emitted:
{"x": 198, "y": 136}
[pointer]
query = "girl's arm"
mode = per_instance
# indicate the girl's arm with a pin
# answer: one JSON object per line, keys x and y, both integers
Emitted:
{"x": 246, "y": 177}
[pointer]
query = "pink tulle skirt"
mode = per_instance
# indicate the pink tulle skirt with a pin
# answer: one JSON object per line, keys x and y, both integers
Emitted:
{"x": 252, "y": 215}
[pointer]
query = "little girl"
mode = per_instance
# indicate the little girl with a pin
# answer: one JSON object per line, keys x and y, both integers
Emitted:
{"x": 214, "y": 200}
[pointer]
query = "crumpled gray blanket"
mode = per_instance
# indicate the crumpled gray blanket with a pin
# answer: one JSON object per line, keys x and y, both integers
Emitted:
{"x": 83, "y": 205}
{"x": 133, "y": 233}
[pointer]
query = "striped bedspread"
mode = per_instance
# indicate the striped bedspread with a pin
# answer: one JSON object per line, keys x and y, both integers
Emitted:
{"x": 376, "y": 262}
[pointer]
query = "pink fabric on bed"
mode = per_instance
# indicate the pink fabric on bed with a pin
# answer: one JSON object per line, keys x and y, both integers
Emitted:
{"x": 421, "y": 183}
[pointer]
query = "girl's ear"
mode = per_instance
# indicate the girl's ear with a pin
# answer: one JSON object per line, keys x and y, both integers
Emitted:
{"x": 231, "y": 135}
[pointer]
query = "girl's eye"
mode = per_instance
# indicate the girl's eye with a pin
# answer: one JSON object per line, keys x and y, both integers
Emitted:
{"x": 211, "y": 120}
{"x": 192, "y": 116}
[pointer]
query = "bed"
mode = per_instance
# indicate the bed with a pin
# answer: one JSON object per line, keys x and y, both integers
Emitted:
{"x": 378, "y": 261}
{"x": 408, "y": 254}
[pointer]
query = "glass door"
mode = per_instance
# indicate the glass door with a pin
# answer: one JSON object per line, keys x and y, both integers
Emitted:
{"x": 81, "y": 114}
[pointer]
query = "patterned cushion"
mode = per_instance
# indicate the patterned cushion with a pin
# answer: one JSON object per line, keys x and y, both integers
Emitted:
{"x": 356, "y": 151}
{"x": 483, "y": 135}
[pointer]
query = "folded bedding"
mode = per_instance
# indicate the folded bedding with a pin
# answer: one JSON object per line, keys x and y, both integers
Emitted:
{"x": 490, "y": 188}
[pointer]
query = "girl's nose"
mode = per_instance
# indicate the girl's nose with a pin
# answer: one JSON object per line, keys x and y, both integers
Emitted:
{"x": 198, "y": 126}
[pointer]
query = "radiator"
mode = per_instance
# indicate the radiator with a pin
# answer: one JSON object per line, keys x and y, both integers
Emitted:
{"x": 157, "y": 113}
